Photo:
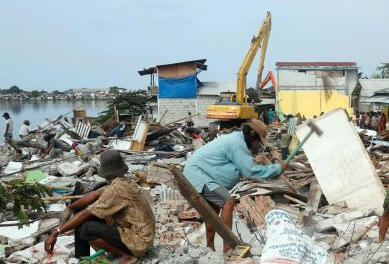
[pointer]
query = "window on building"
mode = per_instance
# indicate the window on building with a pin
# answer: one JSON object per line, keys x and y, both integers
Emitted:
{"x": 304, "y": 71}
{"x": 344, "y": 72}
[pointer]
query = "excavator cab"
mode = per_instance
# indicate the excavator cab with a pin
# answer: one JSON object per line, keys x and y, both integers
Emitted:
{"x": 227, "y": 98}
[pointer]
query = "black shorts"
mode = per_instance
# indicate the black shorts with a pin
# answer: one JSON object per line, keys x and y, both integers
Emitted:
{"x": 92, "y": 230}
{"x": 217, "y": 197}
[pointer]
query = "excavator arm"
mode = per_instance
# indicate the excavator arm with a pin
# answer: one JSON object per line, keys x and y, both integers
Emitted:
{"x": 261, "y": 38}
{"x": 269, "y": 77}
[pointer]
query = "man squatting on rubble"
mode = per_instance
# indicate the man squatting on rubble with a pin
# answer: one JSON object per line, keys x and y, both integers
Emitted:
{"x": 216, "y": 167}
{"x": 117, "y": 217}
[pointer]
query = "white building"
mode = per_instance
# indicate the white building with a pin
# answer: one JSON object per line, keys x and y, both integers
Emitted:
{"x": 208, "y": 94}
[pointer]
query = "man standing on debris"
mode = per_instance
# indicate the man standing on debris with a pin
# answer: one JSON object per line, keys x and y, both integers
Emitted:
{"x": 9, "y": 124}
{"x": 129, "y": 226}
{"x": 217, "y": 167}
{"x": 284, "y": 143}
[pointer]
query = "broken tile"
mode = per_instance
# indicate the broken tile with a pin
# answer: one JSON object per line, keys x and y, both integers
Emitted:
{"x": 158, "y": 175}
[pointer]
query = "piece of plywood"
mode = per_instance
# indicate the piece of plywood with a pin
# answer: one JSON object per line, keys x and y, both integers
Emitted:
{"x": 341, "y": 163}
{"x": 140, "y": 135}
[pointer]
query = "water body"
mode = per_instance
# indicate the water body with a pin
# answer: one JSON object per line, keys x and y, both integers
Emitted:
{"x": 36, "y": 112}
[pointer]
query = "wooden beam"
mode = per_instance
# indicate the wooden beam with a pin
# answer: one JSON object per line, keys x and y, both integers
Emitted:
{"x": 311, "y": 208}
{"x": 199, "y": 203}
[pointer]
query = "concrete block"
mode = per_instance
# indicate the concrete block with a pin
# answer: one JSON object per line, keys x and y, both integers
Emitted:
{"x": 68, "y": 169}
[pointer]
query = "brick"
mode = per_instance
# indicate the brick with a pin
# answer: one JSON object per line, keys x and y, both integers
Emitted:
{"x": 256, "y": 211}
{"x": 188, "y": 215}
{"x": 169, "y": 237}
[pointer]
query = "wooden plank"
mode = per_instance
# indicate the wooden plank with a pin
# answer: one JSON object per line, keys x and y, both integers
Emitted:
{"x": 311, "y": 208}
{"x": 293, "y": 199}
{"x": 198, "y": 202}
{"x": 140, "y": 135}
{"x": 255, "y": 211}
{"x": 177, "y": 71}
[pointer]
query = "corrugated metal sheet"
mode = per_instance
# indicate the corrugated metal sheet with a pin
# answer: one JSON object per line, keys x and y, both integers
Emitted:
{"x": 215, "y": 88}
{"x": 334, "y": 66}
{"x": 317, "y": 64}
{"x": 371, "y": 86}
{"x": 375, "y": 99}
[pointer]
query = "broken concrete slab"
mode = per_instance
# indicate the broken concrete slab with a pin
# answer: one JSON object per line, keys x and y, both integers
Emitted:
{"x": 13, "y": 167}
{"x": 349, "y": 230}
{"x": 15, "y": 236}
{"x": 341, "y": 163}
{"x": 156, "y": 174}
{"x": 329, "y": 223}
{"x": 68, "y": 169}
{"x": 58, "y": 181}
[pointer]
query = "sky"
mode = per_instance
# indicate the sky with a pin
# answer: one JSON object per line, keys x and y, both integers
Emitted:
{"x": 59, "y": 45}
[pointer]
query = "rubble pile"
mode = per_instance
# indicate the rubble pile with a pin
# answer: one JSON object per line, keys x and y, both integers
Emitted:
{"x": 323, "y": 227}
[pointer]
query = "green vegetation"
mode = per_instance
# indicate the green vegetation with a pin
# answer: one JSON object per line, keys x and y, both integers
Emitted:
{"x": 131, "y": 102}
{"x": 382, "y": 71}
{"x": 12, "y": 90}
{"x": 24, "y": 197}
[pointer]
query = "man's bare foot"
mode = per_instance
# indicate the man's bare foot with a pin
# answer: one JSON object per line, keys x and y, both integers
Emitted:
{"x": 226, "y": 249}
{"x": 127, "y": 260}
{"x": 212, "y": 247}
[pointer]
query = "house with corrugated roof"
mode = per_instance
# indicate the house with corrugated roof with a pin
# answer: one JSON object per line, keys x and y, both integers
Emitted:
{"x": 180, "y": 91}
{"x": 373, "y": 94}
{"x": 310, "y": 88}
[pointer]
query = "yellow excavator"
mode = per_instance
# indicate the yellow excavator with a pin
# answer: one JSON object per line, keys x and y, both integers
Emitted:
{"x": 234, "y": 106}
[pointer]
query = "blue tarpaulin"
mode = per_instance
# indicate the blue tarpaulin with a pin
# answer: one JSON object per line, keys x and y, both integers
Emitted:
{"x": 178, "y": 87}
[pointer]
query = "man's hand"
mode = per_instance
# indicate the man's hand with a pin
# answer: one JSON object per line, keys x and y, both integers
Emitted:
{"x": 65, "y": 215}
{"x": 284, "y": 166}
{"x": 50, "y": 242}
{"x": 262, "y": 159}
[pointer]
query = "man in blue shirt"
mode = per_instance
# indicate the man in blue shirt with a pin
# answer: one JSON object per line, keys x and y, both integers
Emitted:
{"x": 217, "y": 167}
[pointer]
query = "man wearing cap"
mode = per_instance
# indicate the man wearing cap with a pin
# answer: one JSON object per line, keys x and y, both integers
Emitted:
{"x": 9, "y": 124}
{"x": 216, "y": 167}
{"x": 129, "y": 226}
